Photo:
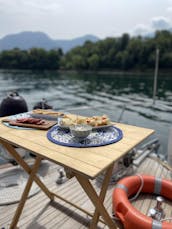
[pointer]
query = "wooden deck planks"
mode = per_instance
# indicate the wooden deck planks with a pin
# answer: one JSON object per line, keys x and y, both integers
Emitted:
{"x": 147, "y": 201}
{"x": 71, "y": 191}
{"x": 147, "y": 198}
{"x": 39, "y": 212}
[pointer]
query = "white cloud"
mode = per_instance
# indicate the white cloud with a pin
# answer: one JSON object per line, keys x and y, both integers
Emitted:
{"x": 72, "y": 18}
{"x": 160, "y": 23}
{"x": 156, "y": 23}
{"x": 46, "y": 6}
{"x": 141, "y": 29}
{"x": 169, "y": 9}
{"x": 30, "y": 7}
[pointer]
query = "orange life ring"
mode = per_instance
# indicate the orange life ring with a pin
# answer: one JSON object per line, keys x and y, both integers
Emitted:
{"x": 130, "y": 216}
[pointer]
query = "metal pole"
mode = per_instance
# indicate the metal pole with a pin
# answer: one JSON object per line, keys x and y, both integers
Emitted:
{"x": 155, "y": 76}
{"x": 169, "y": 149}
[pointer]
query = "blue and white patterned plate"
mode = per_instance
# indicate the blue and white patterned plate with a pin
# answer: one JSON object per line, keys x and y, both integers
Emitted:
{"x": 99, "y": 137}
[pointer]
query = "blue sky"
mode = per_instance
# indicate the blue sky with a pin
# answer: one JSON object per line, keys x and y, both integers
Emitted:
{"x": 66, "y": 19}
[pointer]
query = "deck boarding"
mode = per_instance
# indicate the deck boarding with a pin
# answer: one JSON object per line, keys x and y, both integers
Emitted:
{"x": 40, "y": 213}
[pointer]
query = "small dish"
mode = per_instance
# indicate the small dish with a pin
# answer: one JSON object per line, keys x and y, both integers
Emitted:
{"x": 80, "y": 131}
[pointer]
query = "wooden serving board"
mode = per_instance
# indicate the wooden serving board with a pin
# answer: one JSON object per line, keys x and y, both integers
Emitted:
{"x": 44, "y": 126}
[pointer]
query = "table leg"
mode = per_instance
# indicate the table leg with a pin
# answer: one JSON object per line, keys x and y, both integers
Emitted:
{"x": 98, "y": 203}
{"x": 26, "y": 167}
{"x": 25, "y": 193}
{"x": 102, "y": 195}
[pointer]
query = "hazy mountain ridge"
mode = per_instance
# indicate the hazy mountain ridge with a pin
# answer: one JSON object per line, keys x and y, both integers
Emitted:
{"x": 27, "y": 40}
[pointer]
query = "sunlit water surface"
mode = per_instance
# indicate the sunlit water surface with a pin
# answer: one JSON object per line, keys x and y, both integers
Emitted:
{"x": 97, "y": 94}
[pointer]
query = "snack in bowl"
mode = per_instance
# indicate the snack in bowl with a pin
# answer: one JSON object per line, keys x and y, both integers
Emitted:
{"x": 94, "y": 121}
{"x": 80, "y": 131}
{"x": 47, "y": 114}
{"x": 98, "y": 120}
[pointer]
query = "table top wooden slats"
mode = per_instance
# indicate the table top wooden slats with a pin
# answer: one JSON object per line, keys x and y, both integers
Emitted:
{"x": 87, "y": 161}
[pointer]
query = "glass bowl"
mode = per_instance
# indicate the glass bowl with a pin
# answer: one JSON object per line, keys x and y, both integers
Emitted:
{"x": 80, "y": 131}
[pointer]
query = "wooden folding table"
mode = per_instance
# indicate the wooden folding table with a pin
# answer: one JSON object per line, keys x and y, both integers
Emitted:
{"x": 83, "y": 163}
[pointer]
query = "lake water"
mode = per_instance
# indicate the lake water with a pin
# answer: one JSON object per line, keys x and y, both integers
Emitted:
{"x": 97, "y": 94}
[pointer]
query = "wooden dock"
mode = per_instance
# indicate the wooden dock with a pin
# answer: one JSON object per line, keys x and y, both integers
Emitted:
{"x": 40, "y": 213}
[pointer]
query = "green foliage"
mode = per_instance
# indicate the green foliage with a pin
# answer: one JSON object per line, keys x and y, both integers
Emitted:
{"x": 93, "y": 62}
{"x": 35, "y": 58}
{"x": 122, "y": 53}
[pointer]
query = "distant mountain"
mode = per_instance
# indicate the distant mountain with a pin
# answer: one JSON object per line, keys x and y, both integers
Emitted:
{"x": 27, "y": 40}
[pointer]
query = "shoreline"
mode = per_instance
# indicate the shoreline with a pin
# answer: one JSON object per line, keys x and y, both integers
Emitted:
{"x": 98, "y": 72}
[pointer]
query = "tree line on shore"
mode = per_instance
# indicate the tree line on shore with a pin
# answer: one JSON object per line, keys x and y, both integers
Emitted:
{"x": 122, "y": 53}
